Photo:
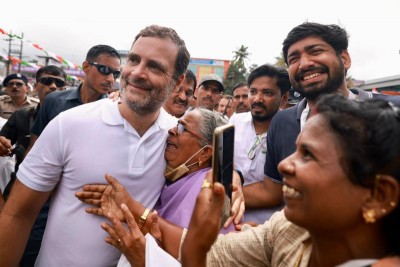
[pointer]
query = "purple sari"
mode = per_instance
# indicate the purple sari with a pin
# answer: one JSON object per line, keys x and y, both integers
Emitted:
{"x": 177, "y": 200}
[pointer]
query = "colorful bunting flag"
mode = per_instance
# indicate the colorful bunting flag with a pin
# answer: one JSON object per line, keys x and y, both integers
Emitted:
{"x": 37, "y": 46}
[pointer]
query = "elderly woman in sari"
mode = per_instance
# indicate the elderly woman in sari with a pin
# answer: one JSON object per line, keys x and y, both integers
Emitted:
{"x": 342, "y": 193}
{"x": 188, "y": 154}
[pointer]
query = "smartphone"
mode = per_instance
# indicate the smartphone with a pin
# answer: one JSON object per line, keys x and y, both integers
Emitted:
{"x": 222, "y": 161}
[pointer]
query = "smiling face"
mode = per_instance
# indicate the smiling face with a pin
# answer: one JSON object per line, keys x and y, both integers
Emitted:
{"x": 317, "y": 192}
{"x": 315, "y": 68}
{"x": 180, "y": 147}
{"x": 146, "y": 78}
{"x": 178, "y": 102}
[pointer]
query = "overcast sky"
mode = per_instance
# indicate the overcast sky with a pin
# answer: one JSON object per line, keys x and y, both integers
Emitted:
{"x": 211, "y": 29}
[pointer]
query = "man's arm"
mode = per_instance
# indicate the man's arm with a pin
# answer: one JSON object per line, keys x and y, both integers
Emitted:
{"x": 1, "y": 201}
{"x": 16, "y": 220}
{"x": 265, "y": 194}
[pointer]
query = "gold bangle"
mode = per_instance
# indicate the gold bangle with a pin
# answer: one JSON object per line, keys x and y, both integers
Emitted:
{"x": 143, "y": 218}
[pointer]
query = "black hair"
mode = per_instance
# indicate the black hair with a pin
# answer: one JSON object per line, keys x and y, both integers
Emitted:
{"x": 98, "y": 50}
{"x": 334, "y": 35}
{"x": 281, "y": 74}
{"x": 369, "y": 134}
{"x": 182, "y": 59}
{"x": 52, "y": 70}
{"x": 238, "y": 85}
{"x": 190, "y": 77}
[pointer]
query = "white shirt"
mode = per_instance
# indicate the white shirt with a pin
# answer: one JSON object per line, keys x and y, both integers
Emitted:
{"x": 252, "y": 170}
{"x": 7, "y": 165}
{"x": 76, "y": 148}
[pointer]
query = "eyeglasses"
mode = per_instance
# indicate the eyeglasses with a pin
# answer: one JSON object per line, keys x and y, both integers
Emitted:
{"x": 180, "y": 129}
{"x": 257, "y": 140}
{"x": 18, "y": 84}
{"x": 50, "y": 80}
{"x": 105, "y": 70}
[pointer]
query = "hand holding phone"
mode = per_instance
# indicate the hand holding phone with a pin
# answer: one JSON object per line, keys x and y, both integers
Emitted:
{"x": 222, "y": 162}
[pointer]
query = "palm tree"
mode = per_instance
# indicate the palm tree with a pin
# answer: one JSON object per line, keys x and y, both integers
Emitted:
{"x": 240, "y": 57}
{"x": 280, "y": 61}
{"x": 237, "y": 71}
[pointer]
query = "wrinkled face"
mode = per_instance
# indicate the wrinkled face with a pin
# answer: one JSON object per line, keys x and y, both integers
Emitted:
{"x": 178, "y": 102}
{"x": 241, "y": 99}
{"x": 146, "y": 80}
{"x": 17, "y": 89}
{"x": 181, "y": 146}
{"x": 317, "y": 192}
{"x": 97, "y": 82}
{"x": 208, "y": 95}
{"x": 47, "y": 84}
{"x": 264, "y": 98}
{"x": 315, "y": 68}
{"x": 225, "y": 105}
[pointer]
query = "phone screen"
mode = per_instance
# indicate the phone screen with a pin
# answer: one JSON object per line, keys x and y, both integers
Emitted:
{"x": 224, "y": 137}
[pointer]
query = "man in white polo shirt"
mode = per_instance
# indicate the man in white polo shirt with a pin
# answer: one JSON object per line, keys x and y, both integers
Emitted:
{"x": 80, "y": 145}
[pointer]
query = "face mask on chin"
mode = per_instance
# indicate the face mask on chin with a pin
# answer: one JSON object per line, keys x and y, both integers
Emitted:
{"x": 173, "y": 174}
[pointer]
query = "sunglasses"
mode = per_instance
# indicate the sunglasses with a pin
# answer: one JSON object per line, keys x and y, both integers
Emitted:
{"x": 106, "y": 70}
{"x": 50, "y": 80}
{"x": 18, "y": 84}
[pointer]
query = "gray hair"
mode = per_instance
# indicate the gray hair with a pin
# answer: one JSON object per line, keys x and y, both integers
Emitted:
{"x": 207, "y": 124}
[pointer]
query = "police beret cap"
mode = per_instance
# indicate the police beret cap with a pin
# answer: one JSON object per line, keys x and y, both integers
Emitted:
{"x": 15, "y": 76}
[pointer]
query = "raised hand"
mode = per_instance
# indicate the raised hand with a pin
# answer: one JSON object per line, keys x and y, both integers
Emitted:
{"x": 131, "y": 241}
{"x": 107, "y": 199}
{"x": 238, "y": 207}
{"x": 204, "y": 225}
{"x": 5, "y": 146}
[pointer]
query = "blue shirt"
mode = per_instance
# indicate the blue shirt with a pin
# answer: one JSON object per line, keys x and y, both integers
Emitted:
{"x": 285, "y": 127}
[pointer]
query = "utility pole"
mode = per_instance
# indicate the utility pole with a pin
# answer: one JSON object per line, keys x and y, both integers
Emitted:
{"x": 12, "y": 52}
{"x": 9, "y": 54}
{"x": 20, "y": 53}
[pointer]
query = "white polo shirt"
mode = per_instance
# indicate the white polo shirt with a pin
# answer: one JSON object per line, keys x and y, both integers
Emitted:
{"x": 76, "y": 148}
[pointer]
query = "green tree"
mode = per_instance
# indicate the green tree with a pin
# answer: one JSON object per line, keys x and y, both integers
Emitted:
{"x": 280, "y": 61}
{"x": 237, "y": 71}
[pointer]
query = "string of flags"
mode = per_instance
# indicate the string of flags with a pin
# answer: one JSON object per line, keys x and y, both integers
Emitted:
{"x": 38, "y": 47}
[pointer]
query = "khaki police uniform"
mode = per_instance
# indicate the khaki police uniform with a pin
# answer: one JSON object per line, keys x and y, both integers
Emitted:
{"x": 7, "y": 106}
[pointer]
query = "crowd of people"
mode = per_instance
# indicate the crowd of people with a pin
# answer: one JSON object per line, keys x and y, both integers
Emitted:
{"x": 317, "y": 164}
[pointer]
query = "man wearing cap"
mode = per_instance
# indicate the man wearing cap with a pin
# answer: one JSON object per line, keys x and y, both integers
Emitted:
{"x": 16, "y": 87}
{"x": 209, "y": 92}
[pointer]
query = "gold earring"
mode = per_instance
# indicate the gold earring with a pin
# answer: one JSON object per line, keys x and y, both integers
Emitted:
{"x": 369, "y": 216}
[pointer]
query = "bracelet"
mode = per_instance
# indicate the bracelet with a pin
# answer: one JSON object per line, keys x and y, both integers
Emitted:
{"x": 143, "y": 218}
